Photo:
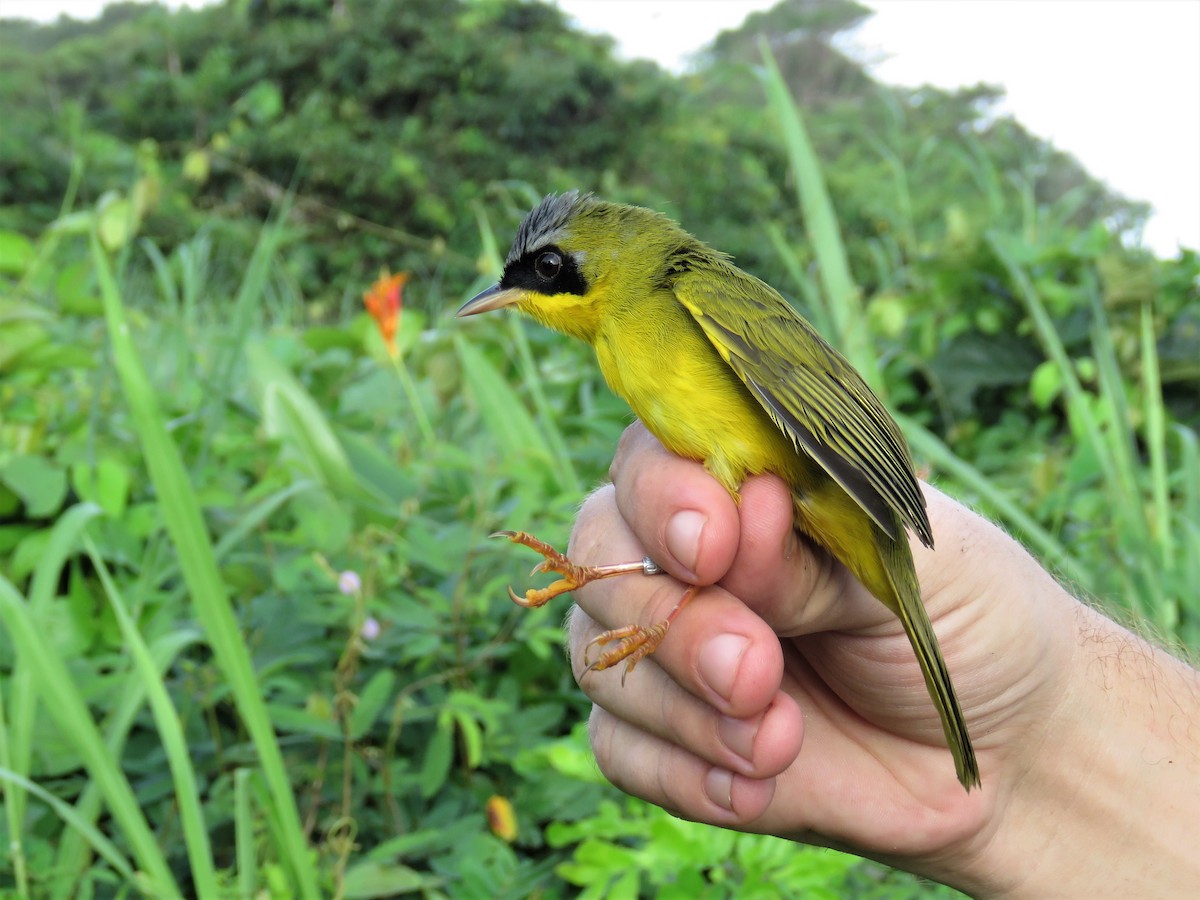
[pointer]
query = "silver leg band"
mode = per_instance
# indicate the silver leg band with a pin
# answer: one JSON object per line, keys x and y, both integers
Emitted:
{"x": 650, "y": 567}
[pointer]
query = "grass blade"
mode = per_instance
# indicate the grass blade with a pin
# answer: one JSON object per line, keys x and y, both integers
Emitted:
{"x": 1155, "y": 429}
{"x": 236, "y": 533}
{"x": 1122, "y": 441}
{"x": 814, "y": 309}
{"x": 290, "y": 415}
{"x": 568, "y": 478}
{"x": 243, "y": 823}
{"x": 842, "y": 301}
{"x": 181, "y": 514}
{"x": 1079, "y": 407}
{"x": 250, "y": 295}
{"x": 1140, "y": 568}
{"x": 1188, "y": 573}
{"x": 102, "y": 845}
{"x": 23, "y": 697}
{"x": 926, "y": 444}
{"x": 10, "y": 790}
{"x": 170, "y": 731}
{"x": 65, "y": 705}
{"x": 73, "y": 850}
{"x": 517, "y": 436}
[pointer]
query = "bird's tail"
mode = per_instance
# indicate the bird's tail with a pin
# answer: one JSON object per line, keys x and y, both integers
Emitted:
{"x": 898, "y": 565}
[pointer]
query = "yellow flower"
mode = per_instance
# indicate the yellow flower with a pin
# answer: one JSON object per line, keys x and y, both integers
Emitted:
{"x": 502, "y": 819}
{"x": 384, "y": 301}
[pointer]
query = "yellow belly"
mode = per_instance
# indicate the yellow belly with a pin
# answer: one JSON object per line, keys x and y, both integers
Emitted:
{"x": 689, "y": 398}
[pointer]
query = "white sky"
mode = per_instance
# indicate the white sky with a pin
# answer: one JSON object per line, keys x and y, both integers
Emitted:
{"x": 1114, "y": 82}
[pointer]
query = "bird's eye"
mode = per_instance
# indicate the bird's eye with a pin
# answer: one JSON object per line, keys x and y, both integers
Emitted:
{"x": 548, "y": 265}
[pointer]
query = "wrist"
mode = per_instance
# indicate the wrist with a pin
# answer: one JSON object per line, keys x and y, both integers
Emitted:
{"x": 1104, "y": 800}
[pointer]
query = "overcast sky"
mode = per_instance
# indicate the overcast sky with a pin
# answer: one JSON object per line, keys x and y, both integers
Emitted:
{"x": 1114, "y": 82}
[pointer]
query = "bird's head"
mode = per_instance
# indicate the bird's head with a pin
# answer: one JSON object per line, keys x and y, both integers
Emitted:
{"x": 576, "y": 258}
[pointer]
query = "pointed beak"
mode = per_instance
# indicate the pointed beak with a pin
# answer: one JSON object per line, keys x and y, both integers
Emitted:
{"x": 494, "y": 297}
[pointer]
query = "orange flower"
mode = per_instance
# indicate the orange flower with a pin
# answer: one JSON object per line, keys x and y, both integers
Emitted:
{"x": 384, "y": 301}
{"x": 502, "y": 819}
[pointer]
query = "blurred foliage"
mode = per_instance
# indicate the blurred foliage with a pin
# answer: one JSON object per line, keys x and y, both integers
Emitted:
{"x": 392, "y": 119}
{"x": 249, "y": 169}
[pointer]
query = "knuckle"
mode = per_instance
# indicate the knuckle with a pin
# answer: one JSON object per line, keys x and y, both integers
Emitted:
{"x": 628, "y": 447}
{"x": 581, "y": 628}
{"x": 601, "y": 725}
{"x": 594, "y": 520}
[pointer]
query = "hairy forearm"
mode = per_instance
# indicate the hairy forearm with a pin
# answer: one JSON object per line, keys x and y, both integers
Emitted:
{"x": 1109, "y": 805}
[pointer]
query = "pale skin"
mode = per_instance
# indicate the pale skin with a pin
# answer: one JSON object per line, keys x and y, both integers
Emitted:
{"x": 1088, "y": 737}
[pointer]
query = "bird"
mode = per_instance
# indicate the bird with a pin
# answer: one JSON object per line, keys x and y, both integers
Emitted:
{"x": 721, "y": 369}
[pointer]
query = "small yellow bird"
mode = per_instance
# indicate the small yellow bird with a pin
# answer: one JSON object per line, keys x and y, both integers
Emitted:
{"x": 721, "y": 369}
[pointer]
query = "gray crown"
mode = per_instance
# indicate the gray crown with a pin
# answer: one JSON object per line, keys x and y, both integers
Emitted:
{"x": 545, "y": 222}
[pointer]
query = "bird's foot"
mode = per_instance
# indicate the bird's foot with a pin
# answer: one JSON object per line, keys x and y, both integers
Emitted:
{"x": 573, "y": 576}
{"x": 633, "y": 643}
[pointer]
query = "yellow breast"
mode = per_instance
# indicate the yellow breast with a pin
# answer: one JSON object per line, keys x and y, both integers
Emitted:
{"x": 677, "y": 384}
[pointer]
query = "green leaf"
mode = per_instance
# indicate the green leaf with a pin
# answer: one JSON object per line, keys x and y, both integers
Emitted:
{"x": 17, "y": 343}
{"x": 40, "y": 483}
{"x": 376, "y": 469}
{"x": 518, "y": 440}
{"x": 106, "y": 484}
{"x": 326, "y": 337}
{"x": 299, "y": 721}
{"x": 472, "y": 738}
{"x": 75, "y": 292}
{"x": 368, "y": 880}
{"x": 321, "y": 520}
{"x": 196, "y": 166}
{"x": 16, "y": 253}
{"x": 374, "y": 696}
{"x": 116, "y": 220}
{"x": 291, "y": 416}
{"x": 1046, "y": 384}
{"x": 438, "y": 756}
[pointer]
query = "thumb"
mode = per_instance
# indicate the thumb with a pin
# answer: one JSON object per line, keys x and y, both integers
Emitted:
{"x": 794, "y": 584}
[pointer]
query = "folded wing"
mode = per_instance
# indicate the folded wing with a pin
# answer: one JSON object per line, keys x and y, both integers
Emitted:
{"x": 811, "y": 393}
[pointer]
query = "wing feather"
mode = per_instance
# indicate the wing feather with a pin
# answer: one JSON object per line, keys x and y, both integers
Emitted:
{"x": 816, "y": 398}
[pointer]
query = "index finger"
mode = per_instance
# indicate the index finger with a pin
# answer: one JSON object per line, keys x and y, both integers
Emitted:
{"x": 685, "y": 519}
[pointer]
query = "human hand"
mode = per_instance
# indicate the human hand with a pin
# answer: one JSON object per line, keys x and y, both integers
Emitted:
{"x": 786, "y": 699}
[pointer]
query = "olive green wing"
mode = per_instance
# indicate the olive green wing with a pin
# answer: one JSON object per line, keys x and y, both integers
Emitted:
{"x": 810, "y": 391}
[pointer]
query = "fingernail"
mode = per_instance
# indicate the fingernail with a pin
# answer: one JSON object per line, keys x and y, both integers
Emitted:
{"x": 739, "y": 734}
{"x": 718, "y": 785}
{"x": 683, "y": 536}
{"x": 719, "y": 660}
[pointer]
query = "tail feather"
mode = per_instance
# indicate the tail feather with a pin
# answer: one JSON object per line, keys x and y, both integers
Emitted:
{"x": 898, "y": 564}
{"x": 885, "y": 567}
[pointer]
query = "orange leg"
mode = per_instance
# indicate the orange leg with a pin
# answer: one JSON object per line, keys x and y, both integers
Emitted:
{"x": 573, "y": 576}
{"x": 632, "y": 643}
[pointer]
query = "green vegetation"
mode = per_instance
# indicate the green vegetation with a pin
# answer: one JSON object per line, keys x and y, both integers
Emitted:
{"x": 254, "y": 638}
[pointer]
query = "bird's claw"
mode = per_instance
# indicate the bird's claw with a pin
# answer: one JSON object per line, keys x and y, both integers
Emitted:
{"x": 573, "y": 576}
{"x": 633, "y": 643}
